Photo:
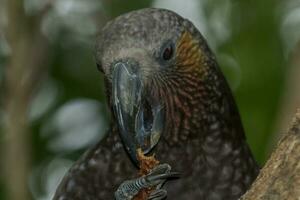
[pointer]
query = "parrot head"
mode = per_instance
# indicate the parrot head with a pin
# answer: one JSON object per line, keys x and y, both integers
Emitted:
{"x": 154, "y": 63}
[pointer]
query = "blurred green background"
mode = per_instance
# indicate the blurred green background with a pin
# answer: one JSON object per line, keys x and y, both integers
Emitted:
{"x": 52, "y": 97}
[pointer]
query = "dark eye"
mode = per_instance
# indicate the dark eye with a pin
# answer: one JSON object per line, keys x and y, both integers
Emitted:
{"x": 168, "y": 52}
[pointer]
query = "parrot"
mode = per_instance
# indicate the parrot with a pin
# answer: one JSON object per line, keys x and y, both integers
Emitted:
{"x": 168, "y": 97}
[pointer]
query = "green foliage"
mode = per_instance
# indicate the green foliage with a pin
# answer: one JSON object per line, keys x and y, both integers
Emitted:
{"x": 257, "y": 47}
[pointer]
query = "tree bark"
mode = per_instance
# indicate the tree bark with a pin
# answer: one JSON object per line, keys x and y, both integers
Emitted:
{"x": 280, "y": 177}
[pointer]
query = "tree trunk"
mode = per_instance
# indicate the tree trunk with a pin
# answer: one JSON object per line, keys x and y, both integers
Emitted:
{"x": 26, "y": 64}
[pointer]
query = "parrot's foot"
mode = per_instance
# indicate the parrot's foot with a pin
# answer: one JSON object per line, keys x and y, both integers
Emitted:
{"x": 158, "y": 194}
{"x": 156, "y": 178}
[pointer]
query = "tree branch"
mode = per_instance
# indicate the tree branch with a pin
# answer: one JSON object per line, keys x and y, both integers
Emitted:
{"x": 22, "y": 72}
{"x": 280, "y": 177}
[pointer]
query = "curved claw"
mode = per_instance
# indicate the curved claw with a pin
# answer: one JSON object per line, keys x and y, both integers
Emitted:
{"x": 157, "y": 177}
{"x": 158, "y": 195}
{"x": 160, "y": 169}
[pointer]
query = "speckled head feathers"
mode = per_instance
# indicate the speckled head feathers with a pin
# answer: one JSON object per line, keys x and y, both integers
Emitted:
{"x": 146, "y": 29}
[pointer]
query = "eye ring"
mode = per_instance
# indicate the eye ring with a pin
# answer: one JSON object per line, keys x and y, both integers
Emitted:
{"x": 167, "y": 51}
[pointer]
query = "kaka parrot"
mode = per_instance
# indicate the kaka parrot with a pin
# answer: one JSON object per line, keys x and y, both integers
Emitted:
{"x": 168, "y": 97}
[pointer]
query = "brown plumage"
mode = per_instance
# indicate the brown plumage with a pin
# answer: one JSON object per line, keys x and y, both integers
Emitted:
{"x": 201, "y": 137}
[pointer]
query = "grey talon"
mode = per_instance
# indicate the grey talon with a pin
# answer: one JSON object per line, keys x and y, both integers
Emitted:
{"x": 157, "y": 177}
{"x": 160, "y": 169}
{"x": 160, "y": 174}
{"x": 158, "y": 194}
{"x": 160, "y": 177}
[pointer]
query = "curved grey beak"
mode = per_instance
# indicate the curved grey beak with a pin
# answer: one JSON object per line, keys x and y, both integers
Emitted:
{"x": 140, "y": 122}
